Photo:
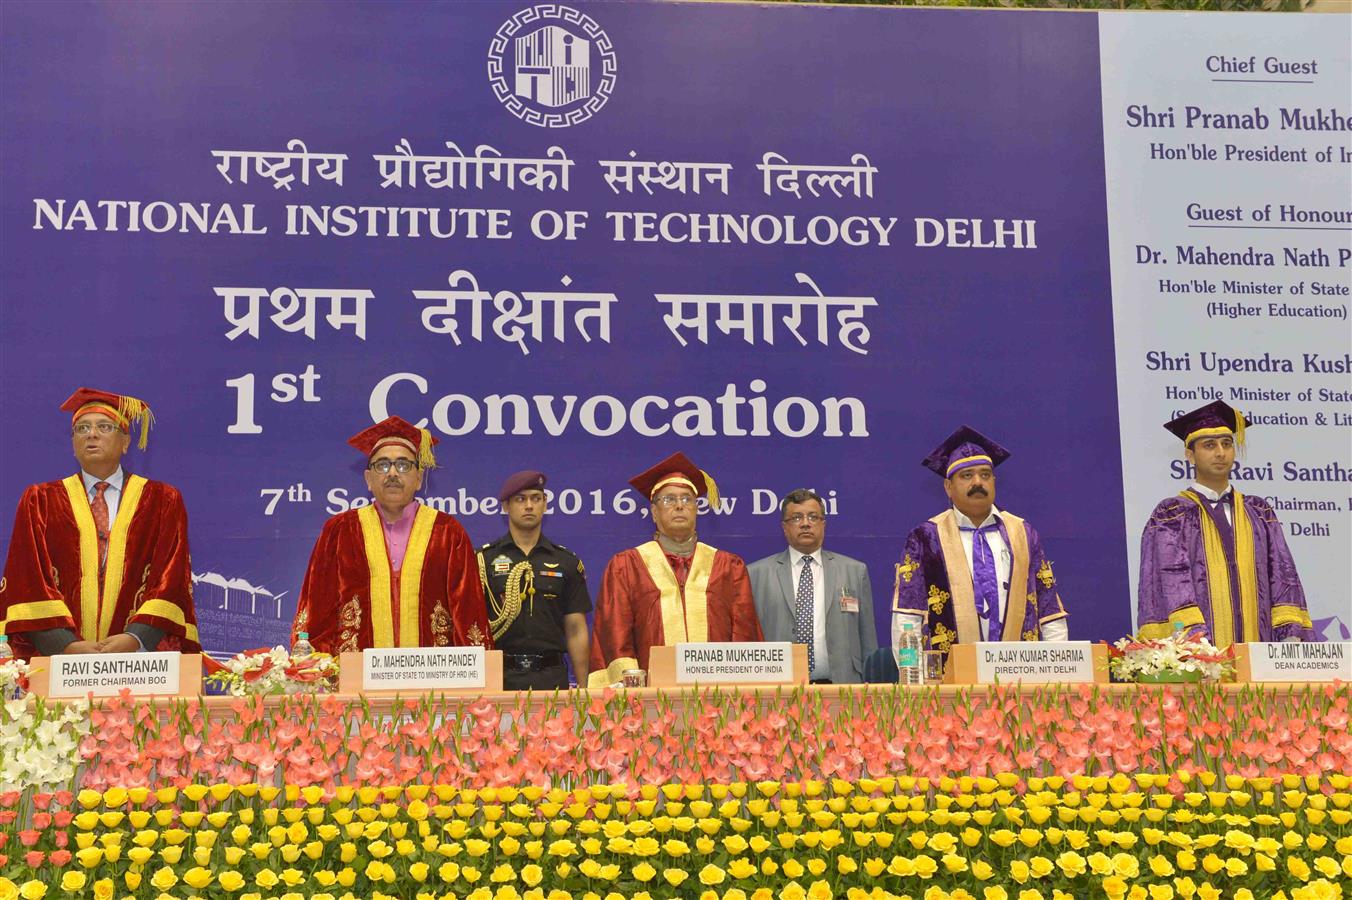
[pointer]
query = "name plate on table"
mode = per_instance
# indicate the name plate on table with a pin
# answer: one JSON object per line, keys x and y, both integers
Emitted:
{"x": 1044, "y": 662}
{"x": 109, "y": 674}
{"x": 768, "y": 662}
{"x": 424, "y": 668}
{"x": 1310, "y": 661}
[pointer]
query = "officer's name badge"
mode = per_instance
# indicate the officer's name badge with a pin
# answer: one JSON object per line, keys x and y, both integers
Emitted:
{"x": 502, "y": 564}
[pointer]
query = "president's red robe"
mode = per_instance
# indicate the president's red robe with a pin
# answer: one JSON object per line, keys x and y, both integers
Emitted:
{"x": 650, "y": 598}
{"x": 52, "y": 577}
{"x": 353, "y": 598}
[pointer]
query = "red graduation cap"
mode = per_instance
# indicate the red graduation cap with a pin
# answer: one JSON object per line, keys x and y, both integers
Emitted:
{"x": 394, "y": 430}
{"x": 121, "y": 409}
{"x": 676, "y": 469}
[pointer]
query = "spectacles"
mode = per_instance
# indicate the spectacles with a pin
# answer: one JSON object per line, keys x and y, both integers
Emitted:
{"x": 670, "y": 500}
{"x": 84, "y": 429}
{"x": 800, "y": 518}
{"x": 402, "y": 466}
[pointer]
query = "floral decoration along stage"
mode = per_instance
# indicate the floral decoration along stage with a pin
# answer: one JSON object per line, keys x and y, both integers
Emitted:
{"x": 1181, "y": 657}
{"x": 275, "y": 671}
{"x": 1204, "y": 791}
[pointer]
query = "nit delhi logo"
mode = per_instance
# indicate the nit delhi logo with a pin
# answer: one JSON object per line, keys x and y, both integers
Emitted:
{"x": 552, "y": 66}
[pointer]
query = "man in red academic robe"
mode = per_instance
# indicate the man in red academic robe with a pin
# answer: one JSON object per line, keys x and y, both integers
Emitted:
{"x": 394, "y": 573}
{"x": 98, "y": 562}
{"x": 673, "y": 589}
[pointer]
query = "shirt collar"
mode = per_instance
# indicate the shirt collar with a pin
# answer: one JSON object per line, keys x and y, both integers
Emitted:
{"x": 1208, "y": 493}
{"x": 404, "y": 517}
{"x": 114, "y": 480}
{"x": 796, "y": 558}
{"x": 991, "y": 519}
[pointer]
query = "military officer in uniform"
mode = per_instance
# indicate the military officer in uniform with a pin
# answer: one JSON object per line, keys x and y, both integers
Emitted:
{"x": 536, "y": 591}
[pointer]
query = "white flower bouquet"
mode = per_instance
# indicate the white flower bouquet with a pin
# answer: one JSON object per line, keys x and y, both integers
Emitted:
{"x": 1180, "y": 657}
{"x": 276, "y": 671}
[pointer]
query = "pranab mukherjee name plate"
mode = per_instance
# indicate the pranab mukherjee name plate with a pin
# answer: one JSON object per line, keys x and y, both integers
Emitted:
{"x": 769, "y": 662}
{"x": 109, "y": 674}
{"x": 1300, "y": 661}
{"x": 1046, "y": 662}
{"x": 424, "y": 668}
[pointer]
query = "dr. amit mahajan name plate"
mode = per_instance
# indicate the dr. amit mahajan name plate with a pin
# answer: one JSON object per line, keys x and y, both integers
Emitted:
{"x": 1047, "y": 662}
{"x": 770, "y": 662}
{"x": 108, "y": 674}
{"x": 1305, "y": 661}
{"x": 423, "y": 668}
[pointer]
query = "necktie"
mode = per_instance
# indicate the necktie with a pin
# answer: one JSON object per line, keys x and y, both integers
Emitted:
{"x": 802, "y": 626}
{"x": 985, "y": 586}
{"x": 99, "y": 507}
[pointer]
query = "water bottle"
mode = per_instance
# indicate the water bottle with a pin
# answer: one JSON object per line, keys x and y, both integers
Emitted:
{"x": 14, "y": 691}
{"x": 302, "y": 647}
{"x": 908, "y": 656}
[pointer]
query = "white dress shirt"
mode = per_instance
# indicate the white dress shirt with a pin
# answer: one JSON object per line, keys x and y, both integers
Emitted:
{"x": 112, "y": 495}
{"x": 820, "y": 668}
{"x": 1208, "y": 494}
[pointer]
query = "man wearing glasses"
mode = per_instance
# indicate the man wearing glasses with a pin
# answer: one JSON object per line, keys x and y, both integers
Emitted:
{"x": 809, "y": 595}
{"x": 98, "y": 562}
{"x": 673, "y": 589}
{"x": 974, "y": 572}
{"x": 394, "y": 573}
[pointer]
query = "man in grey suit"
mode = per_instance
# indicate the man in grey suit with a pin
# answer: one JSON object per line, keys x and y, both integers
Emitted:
{"x": 812, "y": 596}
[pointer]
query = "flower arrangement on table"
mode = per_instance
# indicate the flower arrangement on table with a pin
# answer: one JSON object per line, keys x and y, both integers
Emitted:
{"x": 13, "y": 674}
{"x": 275, "y": 671}
{"x": 1180, "y": 657}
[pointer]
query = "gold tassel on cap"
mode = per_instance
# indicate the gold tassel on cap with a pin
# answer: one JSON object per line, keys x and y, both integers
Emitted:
{"x": 710, "y": 487}
{"x": 133, "y": 410}
{"x": 1239, "y": 429}
{"x": 426, "y": 459}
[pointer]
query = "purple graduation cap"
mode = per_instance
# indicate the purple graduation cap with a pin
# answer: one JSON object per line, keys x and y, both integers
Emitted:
{"x": 963, "y": 449}
{"x": 1215, "y": 419}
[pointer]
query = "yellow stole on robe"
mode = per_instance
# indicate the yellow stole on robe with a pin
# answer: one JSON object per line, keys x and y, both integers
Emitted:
{"x": 686, "y": 621}
{"x": 97, "y": 607}
{"x": 960, "y": 578}
{"x": 1218, "y": 573}
{"x": 410, "y": 577}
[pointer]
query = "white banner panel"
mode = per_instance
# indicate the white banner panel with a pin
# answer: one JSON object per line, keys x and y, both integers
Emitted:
{"x": 1228, "y": 148}
{"x": 1045, "y": 662}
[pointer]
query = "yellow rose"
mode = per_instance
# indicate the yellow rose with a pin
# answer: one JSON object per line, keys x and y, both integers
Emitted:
{"x": 1041, "y": 866}
{"x": 982, "y": 870}
{"x": 674, "y": 877}
{"x": 994, "y": 893}
{"x": 1019, "y": 871}
{"x": 231, "y": 880}
{"x": 711, "y": 875}
{"x": 72, "y": 880}
{"x": 163, "y": 879}
{"x": 132, "y": 880}
{"x": 198, "y": 877}
{"x": 89, "y": 857}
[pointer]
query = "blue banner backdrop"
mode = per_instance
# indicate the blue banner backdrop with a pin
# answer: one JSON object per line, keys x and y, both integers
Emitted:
{"x": 850, "y": 324}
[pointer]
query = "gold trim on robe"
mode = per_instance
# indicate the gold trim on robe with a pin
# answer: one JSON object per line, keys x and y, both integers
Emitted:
{"x": 410, "y": 576}
{"x": 682, "y": 619}
{"x": 1016, "y": 604}
{"x": 1218, "y": 573}
{"x": 959, "y": 578}
{"x": 89, "y": 556}
{"x": 114, "y": 568}
{"x": 381, "y": 597}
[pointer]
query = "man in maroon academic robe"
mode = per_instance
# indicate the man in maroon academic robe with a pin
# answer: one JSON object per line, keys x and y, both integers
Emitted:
{"x": 1214, "y": 558}
{"x": 673, "y": 589}
{"x": 98, "y": 562}
{"x": 394, "y": 573}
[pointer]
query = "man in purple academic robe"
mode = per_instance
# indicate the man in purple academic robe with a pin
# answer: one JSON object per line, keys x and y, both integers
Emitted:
{"x": 974, "y": 572}
{"x": 1213, "y": 557}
